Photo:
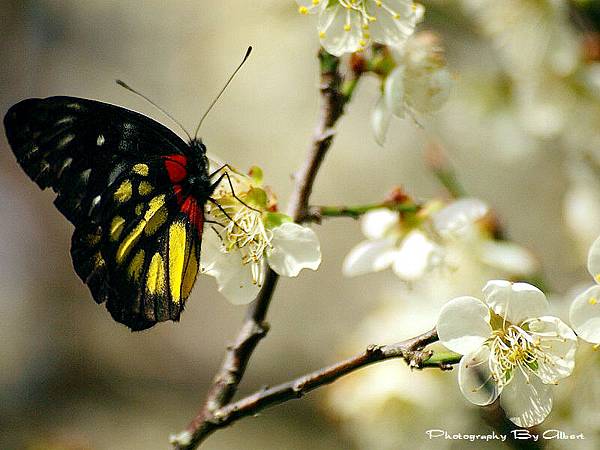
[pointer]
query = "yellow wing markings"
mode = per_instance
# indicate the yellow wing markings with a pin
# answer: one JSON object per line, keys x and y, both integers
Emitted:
{"x": 189, "y": 277}
{"x": 177, "y": 255}
{"x": 116, "y": 227}
{"x": 136, "y": 265}
{"x": 124, "y": 192}
{"x": 155, "y": 216}
{"x": 144, "y": 188}
{"x": 141, "y": 169}
{"x": 155, "y": 278}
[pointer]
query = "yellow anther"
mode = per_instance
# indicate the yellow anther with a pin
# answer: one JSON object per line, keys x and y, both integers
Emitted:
{"x": 367, "y": 36}
{"x": 303, "y": 10}
{"x": 362, "y": 43}
{"x": 592, "y": 301}
{"x": 396, "y": 16}
{"x": 316, "y": 2}
{"x": 378, "y": 3}
{"x": 347, "y": 27}
{"x": 322, "y": 34}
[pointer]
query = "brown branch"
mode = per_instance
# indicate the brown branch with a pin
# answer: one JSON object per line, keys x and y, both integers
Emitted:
{"x": 410, "y": 350}
{"x": 332, "y": 108}
{"x": 254, "y": 328}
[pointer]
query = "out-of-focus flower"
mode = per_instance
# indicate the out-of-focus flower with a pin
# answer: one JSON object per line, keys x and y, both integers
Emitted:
{"x": 528, "y": 34}
{"x": 249, "y": 235}
{"x": 585, "y": 309}
{"x": 420, "y": 83}
{"x": 414, "y": 245}
{"x": 581, "y": 205}
{"x": 347, "y": 26}
{"x": 511, "y": 349}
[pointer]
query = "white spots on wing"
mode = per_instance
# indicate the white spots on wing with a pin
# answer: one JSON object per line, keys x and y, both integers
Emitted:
{"x": 95, "y": 201}
{"x": 65, "y": 165}
{"x": 115, "y": 173}
{"x": 85, "y": 175}
{"x": 100, "y": 141}
{"x": 65, "y": 140}
{"x": 65, "y": 120}
{"x": 75, "y": 106}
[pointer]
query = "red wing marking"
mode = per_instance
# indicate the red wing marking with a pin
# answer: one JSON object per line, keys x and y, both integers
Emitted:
{"x": 195, "y": 213}
{"x": 176, "y": 167}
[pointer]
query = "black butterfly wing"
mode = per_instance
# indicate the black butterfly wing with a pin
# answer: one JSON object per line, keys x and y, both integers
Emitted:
{"x": 88, "y": 151}
{"x": 142, "y": 257}
{"x": 78, "y": 146}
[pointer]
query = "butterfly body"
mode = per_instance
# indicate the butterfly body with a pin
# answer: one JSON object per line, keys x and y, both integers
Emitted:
{"x": 133, "y": 189}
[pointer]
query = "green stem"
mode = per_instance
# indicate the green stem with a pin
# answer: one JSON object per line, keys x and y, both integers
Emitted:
{"x": 448, "y": 178}
{"x": 440, "y": 359}
{"x": 316, "y": 213}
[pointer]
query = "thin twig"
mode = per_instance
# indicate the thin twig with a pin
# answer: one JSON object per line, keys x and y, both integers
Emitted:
{"x": 438, "y": 163}
{"x": 317, "y": 213}
{"x": 254, "y": 328}
{"x": 410, "y": 350}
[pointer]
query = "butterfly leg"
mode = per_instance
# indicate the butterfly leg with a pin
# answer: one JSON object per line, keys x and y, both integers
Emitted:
{"x": 226, "y": 175}
{"x": 216, "y": 203}
{"x": 224, "y": 166}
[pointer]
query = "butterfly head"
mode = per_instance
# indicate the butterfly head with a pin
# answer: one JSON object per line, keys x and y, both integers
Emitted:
{"x": 198, "y": 146}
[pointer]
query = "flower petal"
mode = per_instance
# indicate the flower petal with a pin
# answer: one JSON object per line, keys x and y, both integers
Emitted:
{"x": 515, "y": 301}
{"x": 594, "y": 260}
{"x": 237, "y": 284}
{"x": 584, "y": 315}
{"x": 379, "y": 223}
{"x": 416, "y": 257}
{"x": 427, "y": 91}
{"x": 369, "y": 256}
{"x": 558, "y": 343}
{"x": 394, "y": 21}
{"x": 459, "y": 215}
{"x": 340, "y": 29}
{"x": 527, "y": 401}
{"x": 393, "y": 92}
{"x": 234, "y": 279}
{"x": 475, "y": 378}
{"x": 294, "y": 248}
{"x": 509, "y": 257}
{"x": 211, "y": 253}
{"x": 380, "y": 120}
{"x": 464, "y": 324}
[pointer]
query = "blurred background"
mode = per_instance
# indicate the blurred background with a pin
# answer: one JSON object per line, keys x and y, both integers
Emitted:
{"x": 521, "y": 129}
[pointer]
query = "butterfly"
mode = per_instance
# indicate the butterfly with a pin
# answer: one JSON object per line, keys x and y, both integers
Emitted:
{"x": 135, "y": 192}
{"x": 133, "y": 189}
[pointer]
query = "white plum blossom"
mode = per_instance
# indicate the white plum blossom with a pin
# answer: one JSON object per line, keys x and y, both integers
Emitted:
{"x": 420, "y": 83}
{"x": 347, "y": 26}
{"x": 585, "y": 309}
{"x": 511, "y": 349}
{"x": 249, "y": 236}
{"x": 415, "y": 245}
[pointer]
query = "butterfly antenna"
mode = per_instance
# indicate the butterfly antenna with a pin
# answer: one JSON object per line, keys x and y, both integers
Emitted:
{"x": 222, "y": 90}
{"x": 130, "y": 89}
